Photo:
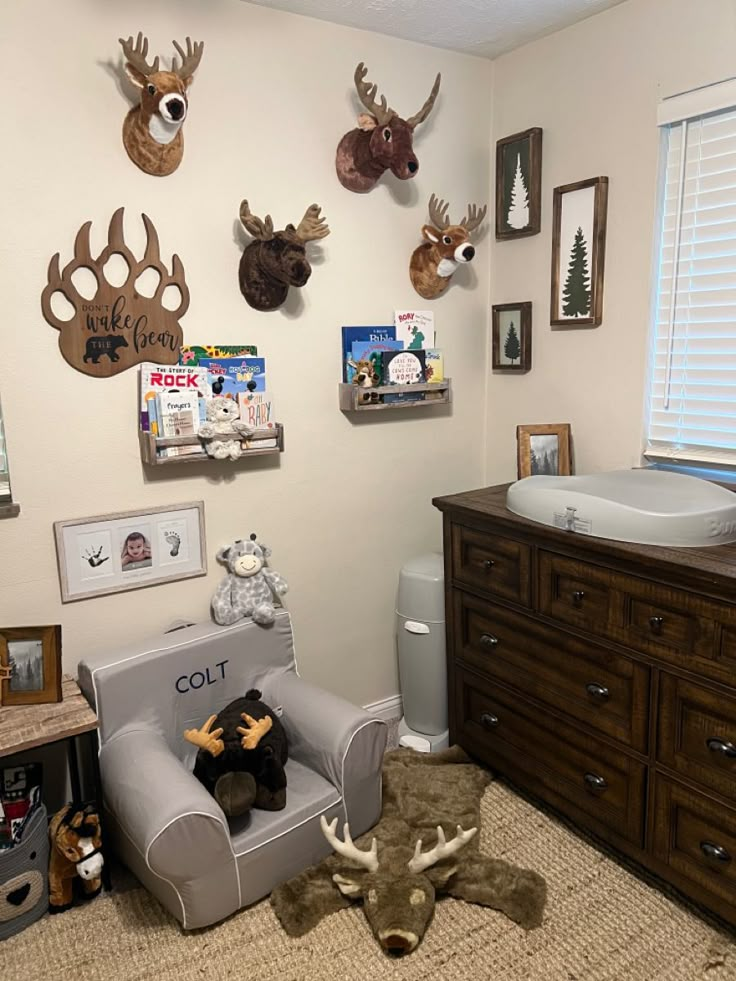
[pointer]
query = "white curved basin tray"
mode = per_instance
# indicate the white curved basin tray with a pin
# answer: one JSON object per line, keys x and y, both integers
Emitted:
{"x": 649, "y": 507}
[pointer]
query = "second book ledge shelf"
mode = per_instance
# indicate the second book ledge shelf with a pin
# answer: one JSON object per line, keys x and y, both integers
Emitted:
{"x": 151, "y": 446}
{"x": 354, "y": 399}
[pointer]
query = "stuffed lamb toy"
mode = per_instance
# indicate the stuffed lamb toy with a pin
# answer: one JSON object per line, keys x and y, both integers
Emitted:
{"x": 249, "y": 589}
{"x": 223, "y": 430}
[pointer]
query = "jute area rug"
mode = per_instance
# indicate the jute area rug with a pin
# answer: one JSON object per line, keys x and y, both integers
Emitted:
{"x": 602, "y": 924}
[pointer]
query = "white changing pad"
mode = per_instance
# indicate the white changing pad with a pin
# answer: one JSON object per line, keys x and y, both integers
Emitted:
{"x": 650, "y": 507}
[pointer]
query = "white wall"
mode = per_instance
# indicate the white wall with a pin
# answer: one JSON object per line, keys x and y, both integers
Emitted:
{"x": 349, "y": 501}
{"x": 594, "y": 89}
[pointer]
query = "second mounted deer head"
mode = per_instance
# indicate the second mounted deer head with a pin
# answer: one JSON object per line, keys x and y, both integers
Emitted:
{"x": 446, "y": 246}
{"x": 382, "y": 140}
{"x": 152, "y": 132}
{"x": 274, "y": 261}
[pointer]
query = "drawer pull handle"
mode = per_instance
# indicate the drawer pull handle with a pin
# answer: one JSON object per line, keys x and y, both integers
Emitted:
{"x": 595, "y": 782}
{"x": 488, "y": 640}
{"x": 726, "y": 749}
{"x": 488, "y": 564}
{"x": 656, "y": 624}
{"x": 598, "y": 691}
{"x": 488, "y": 720}
{"x": 577, "y": 598}
{"x": 714, "y": 852}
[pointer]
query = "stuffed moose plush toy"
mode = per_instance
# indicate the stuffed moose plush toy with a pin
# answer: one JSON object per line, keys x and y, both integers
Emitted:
{"x": 244, "y": 769}
{"x": 249, "y": 589}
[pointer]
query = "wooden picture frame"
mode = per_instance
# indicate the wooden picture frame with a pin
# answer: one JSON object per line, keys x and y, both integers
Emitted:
{"x": 579, "y": 215}
{"x": 112, "y": 553}
{"x": 511, "y": 337}
{"x": 543, "y": 449}
{"x": 519, "y": 185}
{"x": 31, "y": 659}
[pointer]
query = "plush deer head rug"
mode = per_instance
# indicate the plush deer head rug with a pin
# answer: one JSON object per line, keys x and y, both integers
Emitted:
{"x": 424, "y": 845}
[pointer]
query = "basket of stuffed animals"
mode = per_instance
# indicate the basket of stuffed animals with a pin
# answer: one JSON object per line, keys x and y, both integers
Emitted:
{"x": 24, "y": 892}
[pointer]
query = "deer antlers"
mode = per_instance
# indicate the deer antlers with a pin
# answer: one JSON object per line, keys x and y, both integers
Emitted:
{"x": 312, "y": 226}
{"x": 420, "y": 116}
{"x": 190, "y": 61}
{"x": 368, "y": 859}
{"x": 440, "y": 219}
{"x": 367, "y": 95}
{"x": 441, "y": 850}
{"x": 137, "y": 55}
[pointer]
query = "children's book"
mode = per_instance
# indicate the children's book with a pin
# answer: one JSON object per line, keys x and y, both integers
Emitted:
{"x": 371, "y": 351}
{"x": 415, "y": 328}
{"x": 257, "y": 411}
{"x": 191, "y": 353}
{"x": 403, "y": 367}
{"x": 434, "y": 365}
{"x": 229, "y": 376}
{"x": 352, "y": 334}
{"x": 158, "y": 378}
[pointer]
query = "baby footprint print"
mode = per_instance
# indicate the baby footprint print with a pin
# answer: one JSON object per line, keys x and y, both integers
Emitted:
{"x": 175, "y": 541}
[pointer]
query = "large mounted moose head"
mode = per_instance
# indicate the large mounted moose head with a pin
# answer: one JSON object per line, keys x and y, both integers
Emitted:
{"x": 276, "y": 260}
{"x": 152, "y": 130}
{"x": 394, "y": 876}
{"x": 433, "y": 263}
{"x": 382, "y": 140}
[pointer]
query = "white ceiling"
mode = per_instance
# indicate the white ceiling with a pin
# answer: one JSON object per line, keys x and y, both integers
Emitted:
{"x": 479, "y": 27}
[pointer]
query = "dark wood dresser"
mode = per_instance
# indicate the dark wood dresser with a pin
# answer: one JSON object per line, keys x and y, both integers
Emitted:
{"x": 600, "y": 676}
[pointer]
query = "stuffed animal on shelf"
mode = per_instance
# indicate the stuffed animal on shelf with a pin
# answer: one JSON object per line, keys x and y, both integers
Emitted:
{"x": 242, "y": 765}
{"x": 223, "y": 430}
{"x": 366, "y": 377}
{"x": 249, "y": 589}
{"x": 446, "y": 246}
{"x": 75, "y": 840}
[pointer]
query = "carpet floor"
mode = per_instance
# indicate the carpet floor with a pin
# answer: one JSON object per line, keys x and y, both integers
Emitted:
{"x": 602, "y": 924}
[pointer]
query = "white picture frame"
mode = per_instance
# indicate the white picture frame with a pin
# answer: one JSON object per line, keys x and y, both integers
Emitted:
{"x": 112, "y": 553}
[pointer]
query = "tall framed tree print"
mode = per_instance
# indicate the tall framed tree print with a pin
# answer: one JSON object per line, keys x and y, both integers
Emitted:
{"x": 519, "y": 184}
{"x": 578, "y": 253}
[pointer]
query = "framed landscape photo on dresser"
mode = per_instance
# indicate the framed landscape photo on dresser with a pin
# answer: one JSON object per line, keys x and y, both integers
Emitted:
{"x": 511, "y": 337}
{"x": 578, "y": 253}
{"x": 519, "y": 184}
{"x": 543, "y": 449}
{"x": 30, "y": 665}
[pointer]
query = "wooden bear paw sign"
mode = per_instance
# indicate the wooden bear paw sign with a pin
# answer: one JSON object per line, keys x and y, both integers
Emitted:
{"x": 117, "y": 327}
{"x": 274, "y": 261}
{"x": 152, "y": 131}
{"x": 446, "y": 247}
{"x": 381, "y": 141}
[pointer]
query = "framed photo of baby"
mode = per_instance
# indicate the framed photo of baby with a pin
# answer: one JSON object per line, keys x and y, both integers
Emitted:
{"x": 109, "y": 553}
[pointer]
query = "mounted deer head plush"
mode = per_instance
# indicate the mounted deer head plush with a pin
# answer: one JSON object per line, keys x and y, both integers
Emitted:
{"x": 152, "y": 131}
{"x": 433, "y": 263}
{"x": 276, "y": 260}
{"x": 382, "y": 140}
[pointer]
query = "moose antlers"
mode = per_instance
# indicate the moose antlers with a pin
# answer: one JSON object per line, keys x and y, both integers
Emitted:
{"x": 312, "y": 226}
{"x": 258, "y": 228}
{"x": 440, "y": 219}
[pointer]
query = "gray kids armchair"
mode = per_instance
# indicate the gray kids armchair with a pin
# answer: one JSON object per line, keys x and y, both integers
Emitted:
{"x": 163, "y": 823}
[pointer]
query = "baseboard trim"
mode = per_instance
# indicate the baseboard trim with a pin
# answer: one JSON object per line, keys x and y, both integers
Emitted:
{"x": 388, "y": 709}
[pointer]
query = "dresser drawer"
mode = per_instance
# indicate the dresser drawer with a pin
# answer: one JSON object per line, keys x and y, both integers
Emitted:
{"x": 599, "y": 786}
{"x": 696, "y": 837}
{"x": 496, "y": 565}
{"x": 587, "y": 682}
{"x": 575, "y": 593}
{"x": 697, "y": 733}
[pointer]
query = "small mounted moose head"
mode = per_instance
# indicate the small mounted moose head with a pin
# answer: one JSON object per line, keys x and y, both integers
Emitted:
{"x": 152, "y": 130}
{"x": 382, "y": 140}
{"x": 276, "y": 260}
{"x": 433, "y": 263}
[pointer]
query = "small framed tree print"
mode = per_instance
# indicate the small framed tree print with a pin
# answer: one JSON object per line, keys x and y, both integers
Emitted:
{"x": 543, "y": 449}
{"x": 578, "y": 253}
{"x": 519, "y": 184}
{"x": 511, "y": 341}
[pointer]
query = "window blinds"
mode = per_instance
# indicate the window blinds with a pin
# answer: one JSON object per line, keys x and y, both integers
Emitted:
{"x": 692, "y": 395}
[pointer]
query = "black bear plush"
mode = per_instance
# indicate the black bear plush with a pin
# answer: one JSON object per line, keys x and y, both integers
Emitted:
{"x": 241, "y": 760}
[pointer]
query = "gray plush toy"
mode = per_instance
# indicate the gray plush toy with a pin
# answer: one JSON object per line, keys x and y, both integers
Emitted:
{"x": 249, "y": 589}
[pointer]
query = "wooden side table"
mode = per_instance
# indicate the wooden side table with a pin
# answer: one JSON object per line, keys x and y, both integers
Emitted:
{"x": 24, "y": 727}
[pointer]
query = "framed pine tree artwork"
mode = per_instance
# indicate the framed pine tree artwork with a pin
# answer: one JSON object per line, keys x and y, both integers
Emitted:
{"x": 511, "y": 339}
{"x": 519, "y": 184}
{"x": 578, "y": 253}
